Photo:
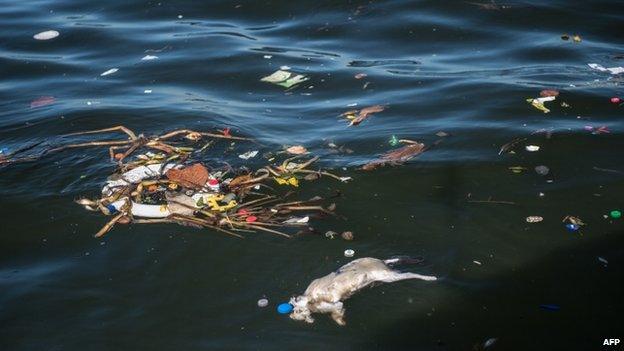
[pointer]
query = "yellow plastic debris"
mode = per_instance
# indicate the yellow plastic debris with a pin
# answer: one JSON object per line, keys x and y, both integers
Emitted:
{"x": 212, "y": 202}
{"x": 287, "y": 181}
{"x": 538, "y": 103}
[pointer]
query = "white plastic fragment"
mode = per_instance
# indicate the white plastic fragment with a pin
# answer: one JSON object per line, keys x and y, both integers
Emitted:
{"x": 47, "y": 35}
{"x": 149, "y": 58}
{"x": 532, "y": 148}
{"x": 546, "y": 98}
{"x": 489, "y": 342}
{"x": 141, "y": 210}
{"x": 136, "y": 175}
{"x": 110, "y": 71}
{"x": 263, "y": 303}
{"x": 297, "y": 220}
{"x": 285, "y": 78}
{"x": 534, "y": 219}
{"x": 477, "y": 262}
{"x": 601, "y": 68}
{"x": 349, "y": 253}
{"x": 249, "y": 154}
{"x": 147, "y": 91}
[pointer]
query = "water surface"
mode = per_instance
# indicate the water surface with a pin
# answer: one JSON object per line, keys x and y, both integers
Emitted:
{"x": 453, "y": 66}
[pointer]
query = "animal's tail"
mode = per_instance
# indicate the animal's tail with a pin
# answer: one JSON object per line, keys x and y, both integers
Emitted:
{"x": 400, "y": 260}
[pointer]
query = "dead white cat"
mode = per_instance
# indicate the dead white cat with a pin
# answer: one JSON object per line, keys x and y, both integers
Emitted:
{"x": 326, "y": 294}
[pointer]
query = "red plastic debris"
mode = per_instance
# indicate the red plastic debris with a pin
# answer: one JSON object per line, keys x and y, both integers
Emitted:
{"x": 42, "y": 101}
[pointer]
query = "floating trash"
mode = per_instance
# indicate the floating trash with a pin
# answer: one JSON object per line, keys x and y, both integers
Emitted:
{"x": 349, "y": 253}
{"x": 549, "y": 92}
{"x": 573, "y": 220}
{"x": 508, "y": 147}
{"x": 615, "y": 214}
{"x": 249, "y": 154}
{"x": 47, "y": 35}
{"x": 42, "y": 101}
{"x": 168, "y": 184}
{"x": 538, "y": 103}
{"x": 347, "y": 236}
{"x": 542, "y": 170}
{"x": 572, "y": 227}
{"x": 393, "y": 141}
{"x": 285, "y": 78}
{"x": 517, "y": 169}
{"x": 297, "y": 150}
{"x": 603, "y": 261}
{"x": 398, "y": 156}
{"x": 534, "y": 219}
{"x": 109, "y": 72}
{"x": 615, "y": 100}
{"x": 297, "y": 220}
{"x": 263, "y": 303}
{"x": 358, "y": 116}
{"x": 284, "y": 308}
{"x": 287, "y": 181}
{"x": 532, "y": 148}
{"x": 489, "y": 342}
{"x": 612, "y": 70}
{"x": 330, "y": 234}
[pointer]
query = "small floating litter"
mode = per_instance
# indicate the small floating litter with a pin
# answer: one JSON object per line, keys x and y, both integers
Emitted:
{"x": 47, "y": 35}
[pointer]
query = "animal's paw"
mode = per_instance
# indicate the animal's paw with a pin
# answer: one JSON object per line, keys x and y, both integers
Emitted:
{"x": 340, "y": 321}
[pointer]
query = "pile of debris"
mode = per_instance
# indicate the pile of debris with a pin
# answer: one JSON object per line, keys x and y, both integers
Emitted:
{"x": 165, "y": 181}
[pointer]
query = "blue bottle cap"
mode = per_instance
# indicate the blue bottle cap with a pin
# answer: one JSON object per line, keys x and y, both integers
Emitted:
{"x": 111, "y": 209}
{"x": 572, "y": 227}
{"x": 284, "y": 308}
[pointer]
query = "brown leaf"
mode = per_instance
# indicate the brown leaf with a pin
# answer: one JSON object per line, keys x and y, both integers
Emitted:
{"x": 365, "y": 113}
{"x": 404, "y": 153}
{"x": 397, "y": 156}
{"x": 194, "y": 176}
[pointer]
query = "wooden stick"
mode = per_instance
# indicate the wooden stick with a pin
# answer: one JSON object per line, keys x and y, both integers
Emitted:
{"x": 108, "y": 226}
{"x": 93, "y": 143}
{"x": 112, "y": 129}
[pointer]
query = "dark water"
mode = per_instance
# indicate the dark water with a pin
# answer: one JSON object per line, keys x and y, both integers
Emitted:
{"x": 447, "y": 66}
